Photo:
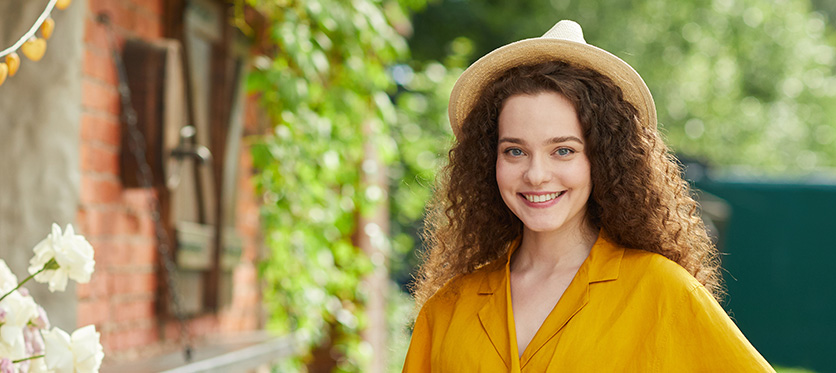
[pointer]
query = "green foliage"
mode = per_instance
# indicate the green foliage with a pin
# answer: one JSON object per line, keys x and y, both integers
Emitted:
{"x": 423, "y": 135}
{"x": 325, "y": 88}
{"x": 736, "y": 82}
{"x": 329, "y": 91}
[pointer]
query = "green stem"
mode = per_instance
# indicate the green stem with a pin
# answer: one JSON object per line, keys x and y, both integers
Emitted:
{"x": 28, "y": 358}
{"x": 51, "y": 264}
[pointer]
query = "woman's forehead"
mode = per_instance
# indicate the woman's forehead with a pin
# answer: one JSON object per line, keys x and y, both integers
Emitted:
{"x": 539, "y": 117}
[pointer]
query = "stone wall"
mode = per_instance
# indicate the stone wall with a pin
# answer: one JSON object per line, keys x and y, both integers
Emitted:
{"x": 39, "y": 143}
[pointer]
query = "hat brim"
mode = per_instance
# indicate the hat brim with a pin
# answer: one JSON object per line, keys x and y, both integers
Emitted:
{"x": 473, "y": 81}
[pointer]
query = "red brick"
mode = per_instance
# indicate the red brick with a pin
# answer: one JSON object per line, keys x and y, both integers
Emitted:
{"x": 154, "y": 7}
{"x": 83, "y": 291}
{"x": 102, "y": 6}
{"x": 95, "y": 36}
{"x": 109, "y": 341}
{"x": 101, "y": 159}
{"x": 100, "y": 97}
{"x": 104, "y": 251}
{"x": 99, "y": 65}
{"x": 81, "y": 217}
{"x": 119, "y": 254}
{"x": 134, "y": 283}
{"x": 205, "y": 325}
{"x": 134, "y": 336}
{"x": 201, "y": 325}
{"x": 148, "y": 27}
{"x": 144, "y": 253}
{"x": 146, "y": 227}
{"x": 136, "y": 310}
{"x": 141, "y": 336}
{"x": 114, "y": 340}
{"x": 137, "y": 199}
{"x": 129, "y": 223}
{"x": 101, "y": 221}
{"x": 93, "y": 312}
{"x": 120, "y": 13}
{"x": 100, "y": 190}
{"x": 97, "y": 287}
{"x": 99, "y": 129}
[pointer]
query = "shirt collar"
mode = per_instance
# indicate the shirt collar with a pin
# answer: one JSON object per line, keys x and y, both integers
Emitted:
{"x": 603, "y": 264}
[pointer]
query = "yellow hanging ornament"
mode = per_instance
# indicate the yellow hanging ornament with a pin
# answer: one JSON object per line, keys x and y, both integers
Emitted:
{"x": 62, "y": 4}
{"x": 13, "y": 62}
{"x": 4, "y": 71}
{"x": 34, "y": 48}
{"x": 47, "y": 27}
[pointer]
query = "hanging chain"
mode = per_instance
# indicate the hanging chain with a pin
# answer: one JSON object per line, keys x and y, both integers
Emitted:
{"x": 137, "y": 147}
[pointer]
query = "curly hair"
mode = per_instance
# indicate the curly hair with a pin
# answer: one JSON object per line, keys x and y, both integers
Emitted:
{"x": 638, "y": 196}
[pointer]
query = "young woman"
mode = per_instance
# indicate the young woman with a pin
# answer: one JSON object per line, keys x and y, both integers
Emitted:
{"x": 563, "y": 237}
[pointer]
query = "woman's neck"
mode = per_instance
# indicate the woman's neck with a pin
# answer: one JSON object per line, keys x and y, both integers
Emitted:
{"x": 562, "y": 249}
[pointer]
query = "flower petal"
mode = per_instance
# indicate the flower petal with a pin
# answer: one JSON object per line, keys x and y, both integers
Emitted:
{"x": 87, "y": 349}
{"x": 58, "y": 352}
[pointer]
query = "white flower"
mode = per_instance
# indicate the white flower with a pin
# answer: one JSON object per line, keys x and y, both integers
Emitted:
{"x": 18, "y": 310}
{"x": 79, "y": 353}
{"x": 8, "y": 280}
{"x": 12, "y": 352}
{"x": 73, "y": 254}
{"x": 38, "y": 366}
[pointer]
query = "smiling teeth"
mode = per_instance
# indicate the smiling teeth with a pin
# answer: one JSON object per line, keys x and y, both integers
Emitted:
{"x": 541, "y": 198}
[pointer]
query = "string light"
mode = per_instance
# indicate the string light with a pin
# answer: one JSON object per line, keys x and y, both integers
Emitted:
{"x": 31, "y": 46}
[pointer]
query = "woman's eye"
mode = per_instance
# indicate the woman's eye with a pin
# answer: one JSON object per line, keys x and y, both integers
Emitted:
{"x": 514, "y": 152}
{"x": 564, "y": 152}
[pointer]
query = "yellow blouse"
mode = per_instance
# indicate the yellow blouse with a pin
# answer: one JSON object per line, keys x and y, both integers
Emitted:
{"x": 625, "y": 311}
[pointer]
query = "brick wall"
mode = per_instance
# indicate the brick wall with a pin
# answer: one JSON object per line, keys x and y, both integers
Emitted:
{"x": 120, "y": 299}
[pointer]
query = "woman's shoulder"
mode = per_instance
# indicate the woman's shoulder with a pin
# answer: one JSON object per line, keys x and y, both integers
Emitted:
{"x": 463, "y": 285}
{"x": 653, "y": 268}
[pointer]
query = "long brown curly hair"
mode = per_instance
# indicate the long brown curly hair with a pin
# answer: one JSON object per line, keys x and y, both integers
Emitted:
{"x": 638, "y": 196}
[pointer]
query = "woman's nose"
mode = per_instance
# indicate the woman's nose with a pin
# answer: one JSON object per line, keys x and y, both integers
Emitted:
{"x": 537, "y": 172}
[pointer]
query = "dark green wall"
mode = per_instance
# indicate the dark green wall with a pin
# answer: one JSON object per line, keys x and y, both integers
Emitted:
{"x": 780, "y": 269}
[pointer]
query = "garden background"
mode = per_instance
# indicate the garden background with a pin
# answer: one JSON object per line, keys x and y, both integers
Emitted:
{"x": 745, "y": 93}
{"x": 343, "y": 127}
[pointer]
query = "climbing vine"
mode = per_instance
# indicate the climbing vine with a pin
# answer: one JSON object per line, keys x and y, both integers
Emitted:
{"x": 330, "y": 81}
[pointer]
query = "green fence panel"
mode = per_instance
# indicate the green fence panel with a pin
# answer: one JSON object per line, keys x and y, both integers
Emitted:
{"x": 779, "y": 260}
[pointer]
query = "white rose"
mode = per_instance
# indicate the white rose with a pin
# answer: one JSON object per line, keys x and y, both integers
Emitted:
{"x": 38, "y": 366}
{"x": 73, "y": 254}
{"x": 18, "y": 310}
{"x": 8, "y": 280}
{"x": 80, "y": 353}
{"x": 17, "y": 351}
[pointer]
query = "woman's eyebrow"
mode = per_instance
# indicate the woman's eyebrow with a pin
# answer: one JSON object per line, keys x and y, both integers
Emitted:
{"x": 553, "y": 140}
{"x": 513, "y": 140}
{"x": 559, "y": 139}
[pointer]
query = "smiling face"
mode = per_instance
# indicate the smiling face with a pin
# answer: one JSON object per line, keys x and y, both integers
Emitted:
{"x": 542, "y": 171}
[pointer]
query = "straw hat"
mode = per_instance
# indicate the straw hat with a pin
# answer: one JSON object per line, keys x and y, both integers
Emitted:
{"x": 564, "y": 42}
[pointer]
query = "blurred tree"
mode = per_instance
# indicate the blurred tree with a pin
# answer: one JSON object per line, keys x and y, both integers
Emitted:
{"x": 736, "y": 82}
